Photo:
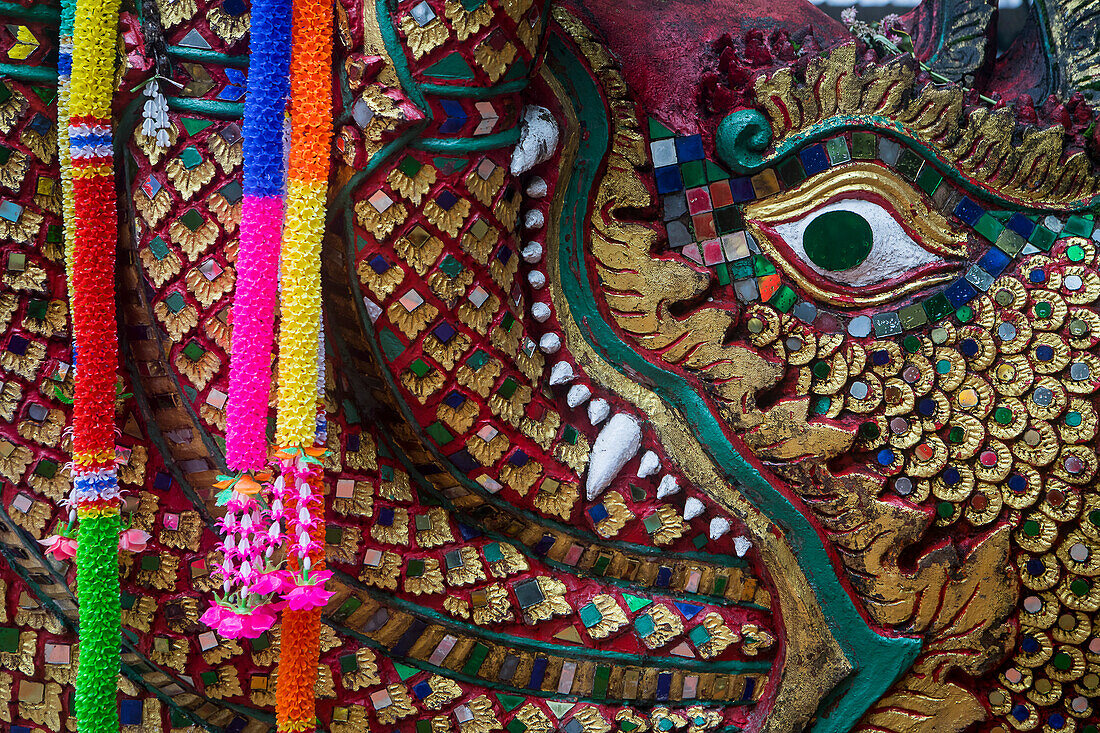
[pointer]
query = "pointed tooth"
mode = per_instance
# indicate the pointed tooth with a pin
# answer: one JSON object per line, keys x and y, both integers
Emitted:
{"x": 598, "y": 410}
{"x": 578, "y": 394}
{"x": 562, "y": 373}
{"x": 718, "y": 527}
{"x": 668, "y": 486}
{"x": 741, "y": 545}
{"x": 649, "y": 464}
{"x": 616, "y": 444}
{"x": 692, "y": 508}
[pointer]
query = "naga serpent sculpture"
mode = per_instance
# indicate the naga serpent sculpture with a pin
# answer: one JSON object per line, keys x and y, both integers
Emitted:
{"x": 508, "y": 365}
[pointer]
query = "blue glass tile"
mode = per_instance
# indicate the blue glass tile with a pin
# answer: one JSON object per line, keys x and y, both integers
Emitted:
{"x": 456, "y": 116}
{"x": 544, "y": 544}
{"x": 994, "y": 261}
{"x": 741, "y": 190}
{"x": 669, "y": 180}
{"x": 664, "y": 576}
{"x": 750, "y": 689}
{"x": 598, "y": 513}
{"x": 969, "y": 211}
{"x": 130, "y": 712}
{"x": 422, "y": 689}
{"x": 538, "y": 672}
{"x": 664, "y": 685}
{"x": 463, "y": 461}
{"x": 689, "y": 148}
{"x": 959, "y": 293}
{"x": 814, "y": 159}
{"x": 410, "y": 637}
{"x": 1021, "y": 225}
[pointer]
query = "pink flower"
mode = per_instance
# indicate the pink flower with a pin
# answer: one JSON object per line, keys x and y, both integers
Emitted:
{"x": 274, "y": 582}
{"x": 256, "y": 623}
{"x": 213, "y": 615}
{"x": 133, "y": 540}
{"x": 61, "y": 547}
{"x": 310, "y": 595}
{"x": 231, "y": 624}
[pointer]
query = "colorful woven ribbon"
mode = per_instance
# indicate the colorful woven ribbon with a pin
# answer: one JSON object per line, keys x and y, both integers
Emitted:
{"x": 300, "y": 354}
{"x": 93, "y": 230}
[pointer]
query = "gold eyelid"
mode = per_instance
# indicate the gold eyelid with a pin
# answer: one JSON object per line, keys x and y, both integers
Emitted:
{"x": 932, "y": 230}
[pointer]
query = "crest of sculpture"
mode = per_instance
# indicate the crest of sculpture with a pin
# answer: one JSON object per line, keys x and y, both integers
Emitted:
{"x": 616, "y": 365}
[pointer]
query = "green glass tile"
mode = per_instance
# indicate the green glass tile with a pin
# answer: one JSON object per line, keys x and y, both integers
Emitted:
{"x": 449, "y": 166}
{"x": 175, "y": 301}
{"x": 179, "y": 718}
{"x": 791, "y": 171}
{"x": 451, "y": 267}
{"x": 37, "y": 308}
{"x": 723, "y": 273}
{"x": 414, "y": 569}
{"x": 694, "y": 174}
{"x": 515, "y": 726}
{"x": 127, "y": 601}
{"x": 720, "y": 583}
{"x": 209, "y": 677}
{"x": 5, "y": 93}
{"x": 645, "y": 626}
{"x": 508, "y": 321}
{"x": 699, "y": 635}
{"x": 420, "y": 368}
{"x": 410, "y": 166}
{"x": 715, "y": 172}
{"x": 46, "y": 468}
{"x": 493, "y": 553}
{"x": 451, "y": 66}
{"x": 989, "y": 227}
{"x": 46, "y": 94}
{"x": 510, "y": 702}
{"x": 347, "y": 608}
{"x": 783, "y": 299}
{"x": 637, "y": 493}
{"x": 1075, "y": 253}
{"x": 728, "y": 219}
{"x": 5, "y": 154}
{"x": 599, "y": 684}
{"x": 477, "y": 360}
{"x": 385, "y": 472}
{"x": 508, "y": 388}
{"x": 192, "y": 220}
{"x": 150, "y": 562}
{"x": 422, "y": 522}
{"x": 9, "y": 639}
{"x": 837, "y": 149}
{"x": 158, "y": 247}
{"x": 392, "y": 348}
{"x": 195, "y": 125}
{"x": 761, "y": 266}
{"x": 700, "y": 541}
{"x": 964, "y": 314}
{"x": 741, "y": 269}
{"x": 54, "y": 234}
{"x": 909, "y": 164}
{"x": 1078, "y": 226}
{"x": 929, "y": 180}
{"x": 912, "y": 316}
{"x": 194, "y": 351}
{"x": 334, "y": 535}
{"x": 439, "y": 433}
{"x": 635, "y": 603}
{"x": 590, "y": 615}
{"x": 1010, "y": 242}
{"x": 657, "y": 131}
{"x": 569, "y": 435}
{"x": 261, "y": 642}
{"x": 1042, "y": 238}
{"x": 938, "y": 307}
{"x": 348, "y": 663}
{"x": 600, "y": 566}
{"x": 191, "y": 157}
{"x": 652, "y": 523}
{"x": 477, "y": 658}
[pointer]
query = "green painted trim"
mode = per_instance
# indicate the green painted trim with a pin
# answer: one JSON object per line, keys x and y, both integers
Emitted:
{"x": 471, "y": 680}
{"x": 31, "y": 74}
{"x": 211, "y": 107}
{"x": 39, "y": 12}
{"x": 657, "y": 660}
{"x": 878, "y": 661}
{"x": 458, "y": 145}
{"x": 743, "y": 138}
{"x": 475, "y": 92}
{"x": 203, "y": 55}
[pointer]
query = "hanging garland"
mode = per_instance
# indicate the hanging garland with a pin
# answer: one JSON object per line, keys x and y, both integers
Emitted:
{"x": 93, "y": 233}
{"x": 299, "y": 431}
{"x": 251, "y": 527}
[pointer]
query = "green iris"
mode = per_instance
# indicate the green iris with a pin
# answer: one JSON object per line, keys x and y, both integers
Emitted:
{"x": 838, "y": 240}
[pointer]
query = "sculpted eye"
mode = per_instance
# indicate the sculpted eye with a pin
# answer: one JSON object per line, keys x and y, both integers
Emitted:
{"x": 856, "y": 243}
{"x": 857, "y": 236}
